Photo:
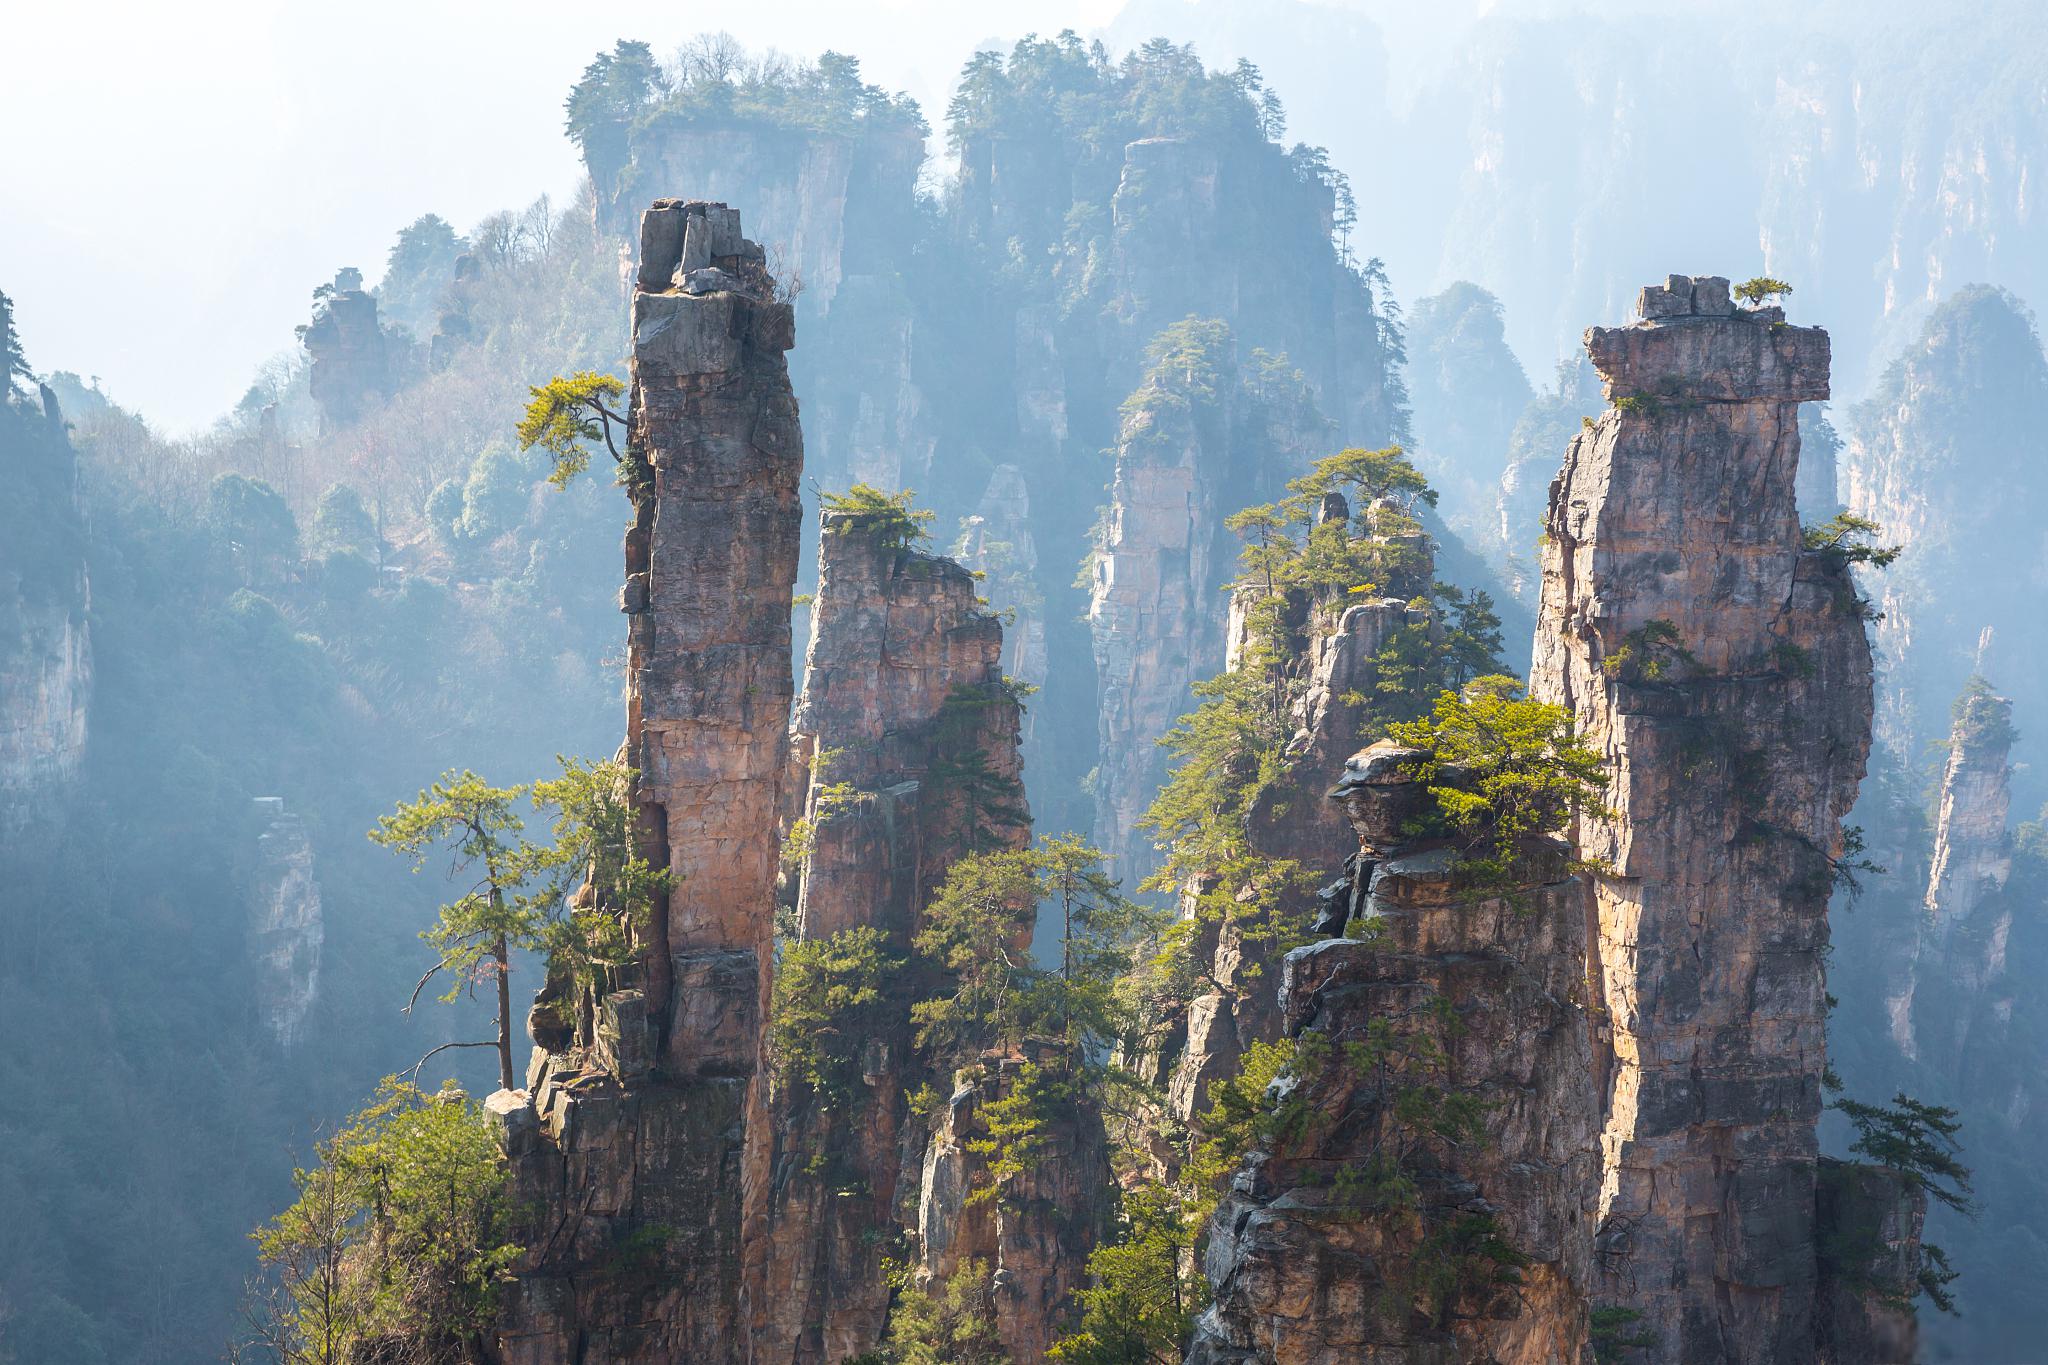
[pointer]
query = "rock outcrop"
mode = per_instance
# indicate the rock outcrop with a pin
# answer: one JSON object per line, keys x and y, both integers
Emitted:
{"x": 1723, "y": 672}
{"x": 46, "y": 657}
{"x": 1034, "y": 1236}
{"x": 1153, "y": 606}
{"x": 904, "y": 708}
{"x": 1972, "y": 849}
{"x": 638, "y": 1134}
{"x": 287, "y": 926}
{"x": 1931, "y": 456}
{"x": 1330, "y": 672}
{"x": 1369, "y": 1229}
{"x": 351, "y": 361}
{"x": 1200, "y": 438}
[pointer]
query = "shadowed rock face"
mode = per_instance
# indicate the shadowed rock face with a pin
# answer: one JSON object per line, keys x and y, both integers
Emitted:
{"x": 1310, "y": 1265}
{"x": 350, "y": 370}
{"x": 1725, "y": 675}
{"x": 903, "y": 678}
{"x": 643, "y": 1131}
{"x": 1336, "y": 668}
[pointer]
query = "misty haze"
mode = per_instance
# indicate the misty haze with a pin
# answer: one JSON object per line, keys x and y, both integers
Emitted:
{"x": 1123, "y": 682}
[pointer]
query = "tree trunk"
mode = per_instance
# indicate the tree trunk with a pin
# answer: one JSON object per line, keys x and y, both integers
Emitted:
{"x": 504, "y": 1014}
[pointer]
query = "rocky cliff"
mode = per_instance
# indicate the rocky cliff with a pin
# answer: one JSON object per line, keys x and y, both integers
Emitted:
{"x": 1200, "y": 437}
{"x": 903, "y": 707}
{"x": 287, "y": 926}
{"x": 640, "y": 1137}
{"x": 1374, "y": 1226}
{"x": 46, "y": 657}
{"x": 1930, "y": 457}
{"x": 1724, "y": 673}
{"x": 351, "y": 366}
{"x": 1329, "y": 675}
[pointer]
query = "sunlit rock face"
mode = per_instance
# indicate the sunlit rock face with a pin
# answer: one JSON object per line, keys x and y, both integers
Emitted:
{"x": 286, "y": 926}
{"x": 647, "y": 1118}
{"x": 1309, "y": 1259}
{"x": 903, "y": 699}
{"x": 1723, "y": 672}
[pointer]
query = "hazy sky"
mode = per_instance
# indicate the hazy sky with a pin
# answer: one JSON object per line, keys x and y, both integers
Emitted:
{"x": 180, "y": 177}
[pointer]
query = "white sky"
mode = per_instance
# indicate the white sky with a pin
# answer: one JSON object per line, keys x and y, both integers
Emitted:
{"x": 178, "y": 177}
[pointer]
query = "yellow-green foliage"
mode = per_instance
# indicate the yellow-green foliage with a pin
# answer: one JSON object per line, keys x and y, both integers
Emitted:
{"x": 1499, "y": 769}
{"x": 567, "y": 415}
{"x": 830, "y": 996}
{"x": 401, "y": 1230}
{"x": 889, "y": 517}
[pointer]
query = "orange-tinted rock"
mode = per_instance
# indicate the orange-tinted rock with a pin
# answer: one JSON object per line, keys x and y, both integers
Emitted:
{"x": 1733, "y": 751}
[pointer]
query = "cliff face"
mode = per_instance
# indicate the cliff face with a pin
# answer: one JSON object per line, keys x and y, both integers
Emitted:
{"x": 1930, "y": 457}
{"x": 46, "y": 666}
{"x": 636, "y": 1140}
{"x": 1469, "y": 393}
{"x": 1545, "y": 427}
{"x": 286, "y": 923}
{"x": 351, "y": 361}
{"x": 1316, "y": 1254}
{"x": 1201, "y": 437}
{"x": 1034, "y": 1238}
{"x": 1335, "y": 669}
{"x": 1724, "y": 673}
{"x": 903, "y": 696}
{"x": 1151, "y": 609}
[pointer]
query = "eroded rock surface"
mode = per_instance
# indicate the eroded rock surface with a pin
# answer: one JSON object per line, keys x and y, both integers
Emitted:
{"x": 1315, "y": 1256}
{"x": 903, "y": 699}
{"x": 647, "y": 1123}
{"x": 1724, "y": 674}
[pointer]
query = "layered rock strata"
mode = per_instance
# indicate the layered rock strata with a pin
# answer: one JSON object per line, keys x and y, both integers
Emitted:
{"x": 1723, "y": 672}
{"x": 1033, "y": 1238}
{"x": 637, "y": 1134}
{"x": 1317, "y": 1254}
{"x": 903, "y": 702}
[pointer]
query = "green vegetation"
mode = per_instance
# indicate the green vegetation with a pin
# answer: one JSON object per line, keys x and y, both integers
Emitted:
{"x": 1143, "y": 1287}
{"x": 401, "y": 1233}
{"x": 952, "y": 1322}
{"x": 569, "y": 414}
{"x": 830, "y": 997}
{"x": 518, "y": 895}
{"x": 1615, "y": 1334}
{"x": 1761, "y": 290}
{"x": 1846, "y": 538}
{"x": 1500, "y": 769}
{"x": 1650, "y": 654}
{"x": 890, "y": 518}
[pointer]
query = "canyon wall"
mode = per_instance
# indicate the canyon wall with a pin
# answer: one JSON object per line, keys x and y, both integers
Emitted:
{"x": 1723, "y": 672}
{"x": 641, "y": 1142}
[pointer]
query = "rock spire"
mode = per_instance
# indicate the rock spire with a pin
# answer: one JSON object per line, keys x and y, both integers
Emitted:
{"x": 1723, "y": 670}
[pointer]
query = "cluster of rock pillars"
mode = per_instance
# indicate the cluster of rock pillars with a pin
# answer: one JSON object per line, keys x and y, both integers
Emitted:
{"x": 1644, "y": 1020}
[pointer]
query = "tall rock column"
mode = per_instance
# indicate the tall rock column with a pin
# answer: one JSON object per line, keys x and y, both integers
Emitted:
{"x": 903, "y": 701}
{"x": 634, "y": 1138}
{"x": 1724, "y": 673}
{"x": 1154, "y": 626}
